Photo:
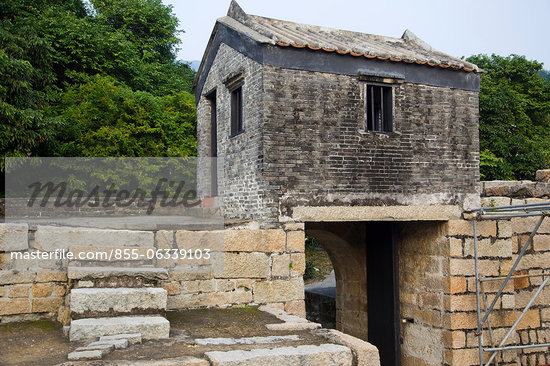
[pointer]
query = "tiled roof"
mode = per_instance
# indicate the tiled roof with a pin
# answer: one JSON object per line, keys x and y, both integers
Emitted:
{"x": 409, "y": 48}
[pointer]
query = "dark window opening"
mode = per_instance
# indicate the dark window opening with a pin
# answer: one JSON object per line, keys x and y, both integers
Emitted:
{"x": 213, "y": 143}
{"x": 378, "y": 108}
{"x": 237, "y": 111}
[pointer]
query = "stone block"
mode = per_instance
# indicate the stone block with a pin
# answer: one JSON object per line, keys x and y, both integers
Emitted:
{"x": 504, "y": 228}
{"x": 455, "y": 247}
{"x": 41, "y": 290}
{"x": 324, "y": 354}
{"x": 456, "y": 285}
{"x": 531, "y": 261}
{"x": 466, "y": 228}
{"x": 462, "y": 302}
{"x": 116, "y": 343}
{"x": 245, "y": 265}
{"x": 458, "y": 321}
{"x": 488, "y": 248}
{"x": 172, "y": 288}
{"x": 525, "y": 225}
{"x": 14, "y": 306}
{"x": 19, "y": 291}
{"x": 541, "y": 243}
{"x": 243, "y": 283}
{"x": 298, "y": 264}
{"x": 190, "y": 287}
{"x": 280, "y": 265}
{"x": 187, "y": 301}
{"x": 275, "y": 240}
{"x": 365, "y": 353}
{"x": 461, "y": 267}
{"x": 64, "y": 316}
{"x": 14, "y": 237}
{"x": 270, "y": 241}
{"x": 60, "y": 290}
{"x": 150, "y": 327}
{"x": 50, "y": 238}
{"x": 292, "y": 326}
{"x": 463, "y": 357}
{"x": 278, "y": 290}
{"x": 51, "y": 276}
{"x": 295, "y": 241}
{"x": 530, "y": 320}
{"x": 132, "y": 338}
{"x": 165, "y": 240}
{"x": 206, "y": 285}
{"x": 98, "y": 302}
{"x": 543, "y": 175}
{"x": 296, "y": 307}
{"x": 213, "y": 240}
{"x": 87, "y": 355}
{"x": 9, "y": 277}
{"x": 495, "y": 201}
{"x": 47, "y": 305}
{"x": 454, "y": 339}
{"x": 294, "y": 226}
{"x": 225, "y": 285}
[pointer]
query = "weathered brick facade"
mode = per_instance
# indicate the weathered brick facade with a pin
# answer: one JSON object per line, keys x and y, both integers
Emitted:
{"x": 317, "y": 152}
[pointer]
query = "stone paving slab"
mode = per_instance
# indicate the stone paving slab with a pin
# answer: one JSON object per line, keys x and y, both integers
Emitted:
{"x": 117, "y": 343}
{"x": 247, "y": 340}
{"x": 132, "y": 338}
{"x": 325, "y": 354}
{"x": 98, "y": 347}
{"x": 291, "y": 326}
{"x": 86, "y": 355}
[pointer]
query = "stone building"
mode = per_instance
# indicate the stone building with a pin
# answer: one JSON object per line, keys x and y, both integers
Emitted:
{"x": 368, "y": 143}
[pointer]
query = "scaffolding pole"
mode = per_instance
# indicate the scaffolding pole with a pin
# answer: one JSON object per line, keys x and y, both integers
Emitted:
{"x": 541, "y": 210}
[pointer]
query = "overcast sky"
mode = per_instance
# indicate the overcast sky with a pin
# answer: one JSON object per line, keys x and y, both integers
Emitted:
{"x": 457, "y": 27}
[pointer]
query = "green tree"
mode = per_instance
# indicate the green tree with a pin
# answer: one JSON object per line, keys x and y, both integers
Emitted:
{"x": 53, "y": 52}
{"x": 514, "y": 121}
{"x": 105, "y": 118}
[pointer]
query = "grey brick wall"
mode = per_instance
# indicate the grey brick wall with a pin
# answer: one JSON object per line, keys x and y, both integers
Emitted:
{"x": 316, "y": 152}
{"x": 242, "y": 154}
{"x": 304, "y": 142}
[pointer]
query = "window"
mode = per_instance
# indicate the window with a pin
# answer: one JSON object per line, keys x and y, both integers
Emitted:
{"x": 378, "y": 108}
{"x": 237, "y": 111}
{"x": 211, "y": 97}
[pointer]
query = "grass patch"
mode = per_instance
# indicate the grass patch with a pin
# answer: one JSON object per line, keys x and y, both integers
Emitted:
{"x": 318, "y": 264}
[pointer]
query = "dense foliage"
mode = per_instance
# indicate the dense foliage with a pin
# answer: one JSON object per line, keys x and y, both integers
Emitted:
{"x": 93, "y": 79}
{"x": 514, "y": 121}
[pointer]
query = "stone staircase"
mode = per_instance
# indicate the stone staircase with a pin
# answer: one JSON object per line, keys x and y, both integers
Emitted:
{"x": 106, "y": 301}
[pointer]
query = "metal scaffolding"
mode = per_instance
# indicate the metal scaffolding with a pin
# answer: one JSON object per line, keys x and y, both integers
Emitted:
{"x": 541, "y": 210}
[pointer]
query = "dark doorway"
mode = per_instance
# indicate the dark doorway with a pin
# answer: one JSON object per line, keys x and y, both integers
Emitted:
{"x": 382, "y": 292}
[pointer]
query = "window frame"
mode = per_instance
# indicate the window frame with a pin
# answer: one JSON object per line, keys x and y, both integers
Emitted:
{"x": 386, "y": 106}
{"x": 236, "y": 110}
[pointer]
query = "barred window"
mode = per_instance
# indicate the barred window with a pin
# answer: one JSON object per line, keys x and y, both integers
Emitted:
{"x": 378, "y": 108}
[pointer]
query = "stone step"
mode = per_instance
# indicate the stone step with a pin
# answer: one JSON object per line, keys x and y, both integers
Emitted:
{"x": 108, "y": 302}
{"x": 116, "y": 276}
{"x": 324, "y": 354}
{"x": 150, "y": 327}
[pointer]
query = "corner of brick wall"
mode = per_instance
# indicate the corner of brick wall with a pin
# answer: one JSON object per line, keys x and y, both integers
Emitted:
{"x": 499, "y": 242}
